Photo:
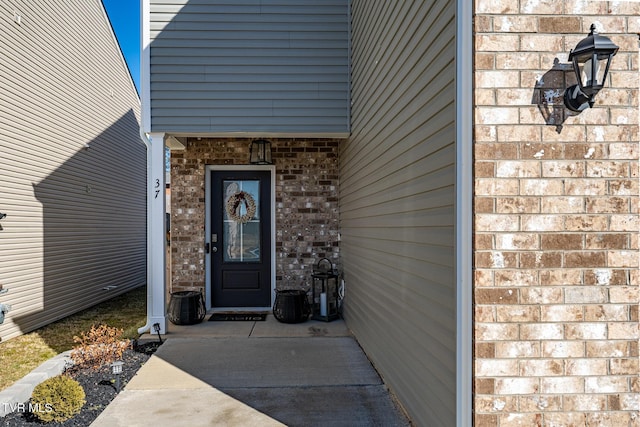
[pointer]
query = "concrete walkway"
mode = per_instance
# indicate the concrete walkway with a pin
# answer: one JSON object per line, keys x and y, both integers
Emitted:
{"x": 255, "y": 374}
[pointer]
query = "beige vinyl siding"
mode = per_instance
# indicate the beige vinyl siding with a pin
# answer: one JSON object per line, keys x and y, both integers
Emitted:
{"x": 222, "y": 67}
{"x": 397, "y": 200}
{"x": 76, "y": 217}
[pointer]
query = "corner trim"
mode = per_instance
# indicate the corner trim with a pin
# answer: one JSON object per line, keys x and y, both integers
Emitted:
{"x": 464, "y": 213}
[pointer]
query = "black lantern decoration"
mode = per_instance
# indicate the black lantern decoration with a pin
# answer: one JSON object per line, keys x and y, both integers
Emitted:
{"x": 324, "y": 291}
{"x": 260, "y": 152}
{"x": 591, "y": 60}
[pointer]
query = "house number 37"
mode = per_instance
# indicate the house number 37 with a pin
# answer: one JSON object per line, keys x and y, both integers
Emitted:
{"x": 157, "y": 187}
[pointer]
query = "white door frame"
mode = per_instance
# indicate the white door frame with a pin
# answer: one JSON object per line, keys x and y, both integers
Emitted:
{"x": 207, "y": 227}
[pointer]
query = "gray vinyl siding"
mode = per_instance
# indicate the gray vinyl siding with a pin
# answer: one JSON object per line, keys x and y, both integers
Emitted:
{"x": 397, "y": 200}
{"x": 76, "y": 217}
{"x": 279, "y": 66}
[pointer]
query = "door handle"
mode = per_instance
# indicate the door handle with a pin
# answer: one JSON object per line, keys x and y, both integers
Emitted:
{"x": 214, "y": 249}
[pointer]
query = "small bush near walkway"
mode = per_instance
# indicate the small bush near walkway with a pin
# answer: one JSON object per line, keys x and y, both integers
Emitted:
{"x": 22, "y": 354}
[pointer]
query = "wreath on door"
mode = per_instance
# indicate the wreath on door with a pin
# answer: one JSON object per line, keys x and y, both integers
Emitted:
{"x": 233, "y": 204}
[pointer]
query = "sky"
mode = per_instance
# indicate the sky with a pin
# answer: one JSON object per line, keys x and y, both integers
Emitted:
{"x": 125, "y": 20}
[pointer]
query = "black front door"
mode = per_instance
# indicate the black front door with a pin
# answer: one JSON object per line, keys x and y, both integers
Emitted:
{"x": 241, "y": 238}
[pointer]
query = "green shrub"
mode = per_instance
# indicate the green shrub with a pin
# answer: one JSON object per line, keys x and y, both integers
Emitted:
{"x": 57, "y": 399}
{"x": 102, "y": 345}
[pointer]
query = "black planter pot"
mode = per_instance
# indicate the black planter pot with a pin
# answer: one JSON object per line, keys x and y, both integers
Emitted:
{"x": 291, "y": 306}
{"x": 186, "y": 308}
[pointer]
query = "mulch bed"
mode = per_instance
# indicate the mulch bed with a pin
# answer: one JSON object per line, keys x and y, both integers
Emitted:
{"x": 98, "y": 386}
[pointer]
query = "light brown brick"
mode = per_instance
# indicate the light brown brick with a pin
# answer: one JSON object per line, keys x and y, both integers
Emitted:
{"x": 623, "y": 258}
{"x": 562, "y": 313}
{"x": 496, "y": 332}
{"x": 484, "y": 205}
{"x": 518, "y": 204}
{"x": 495, "y": 115}
{"x": 564, "y": 168}
{"x": 586, "y": 331}
{"x": 495, "y": 368}
{"x": 623, "y": 330}
{"x": 609, "y": 169}
{"x": 497, "y": 43}
{"x": 497, "y": 222}
{"x": 629, "y": 366}
{"x": 605, "y": 313}
{"x": 519, "y": 241}
{"x": 517, "y": 349}
{"x": 537, "y": 403}
{"x": 485, "y": 420}
{"x": 559, "y": 25}
{"x": 540, "y": 259}
{"x": 541, "y": 187}
{"x": 511, "y": 386}
{"x": 497, "y": 79}
{"x": 629, "y": 222}
{"x": 585, "y": 223}
{"x": 563, "y": 204}
{"x": 517, "y": 60}
{"x": 585, "y": 295}
{"x": 485, "y": 350}
{"x": 606, "y": 277}
{"x": 484, "y": 278}
{"x": 606, "y": 384}
{"x": 585, "y": 259}
{"x": 518, "y": 169}
{"x": 562, "y": 385}
{"x": 518, "y": 313}
{"x": 542, "y": 295}
{"x": 496, "y": 296}
{"x": 586, "y": 187}
{"x": 518, "y": 277}
{"x": 607, "y": 204}
{"x": 542, "y": 331}
{"x": 484, "y": 386}
{"x": 563, "y": 349}
{"x": 585, "y": 403}
{"x": 561, "y": 241}
{"x": 561, "y": 277}
{"x": 541, "y": 368}
{"x": 542, "y": 222}
{"x": 540, "y": 42}
{"x": 624, "y": 294}
{"x": 608, "y": 348}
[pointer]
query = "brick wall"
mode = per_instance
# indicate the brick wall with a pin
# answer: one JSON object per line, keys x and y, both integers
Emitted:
{"x": 556, "y": 219}
{"x": 306, "y": 206}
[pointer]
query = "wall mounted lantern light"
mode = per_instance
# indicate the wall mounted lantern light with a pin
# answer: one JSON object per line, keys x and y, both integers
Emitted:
{"x": 260, "y": 152}
{"x": 3, "y": 215}
{"x": 591, "y": 59}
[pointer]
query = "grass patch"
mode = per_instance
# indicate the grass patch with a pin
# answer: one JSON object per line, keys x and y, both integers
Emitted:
{"x": 22, "y": 354}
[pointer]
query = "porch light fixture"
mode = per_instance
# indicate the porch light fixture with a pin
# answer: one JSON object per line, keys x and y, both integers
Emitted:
{"x": 3, "y": 215}
{"x": 591, "y": 59}
{"x": 260, "y": 152}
